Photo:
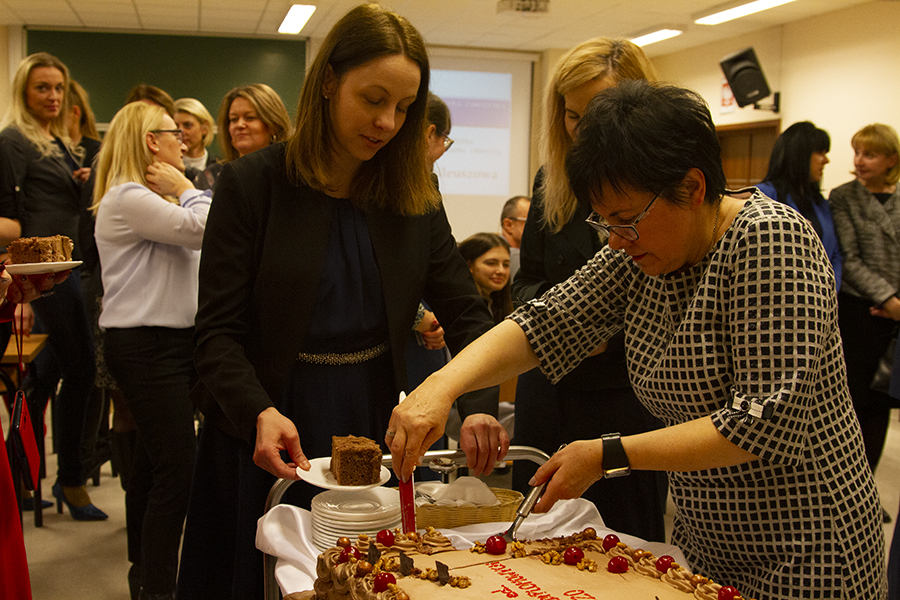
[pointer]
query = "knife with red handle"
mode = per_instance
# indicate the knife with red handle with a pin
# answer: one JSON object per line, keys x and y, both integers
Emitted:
{"x": 407, "y": 506}
{"x": 407, "y": 499}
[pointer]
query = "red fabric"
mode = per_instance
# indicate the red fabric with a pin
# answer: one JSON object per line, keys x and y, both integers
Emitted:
{"x": 15, "y": 583}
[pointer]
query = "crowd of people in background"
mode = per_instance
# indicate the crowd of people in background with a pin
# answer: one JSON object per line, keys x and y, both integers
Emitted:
{"x": 324, "y": 237}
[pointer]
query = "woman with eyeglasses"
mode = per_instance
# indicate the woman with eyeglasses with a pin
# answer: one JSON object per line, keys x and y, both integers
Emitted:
{"x": 150, "y": 225}
{"x": 40, "y": 195}
{"x": 556, "y": 242}
{"x": 729, "y": 308}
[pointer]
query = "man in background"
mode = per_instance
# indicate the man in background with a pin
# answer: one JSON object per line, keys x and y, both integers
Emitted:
{"x": 512, "y": 223}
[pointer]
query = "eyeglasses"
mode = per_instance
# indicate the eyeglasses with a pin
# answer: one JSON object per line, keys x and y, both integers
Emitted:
{"x": 447, "y": 143}
{"x": 628, "y": 232}
{"x": 179, "y": 135}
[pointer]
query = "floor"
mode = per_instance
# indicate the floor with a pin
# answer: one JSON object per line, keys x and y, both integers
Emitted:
{"x": 86, "y": 561}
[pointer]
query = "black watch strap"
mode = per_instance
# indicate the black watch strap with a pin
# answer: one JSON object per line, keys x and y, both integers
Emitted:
{"x": 615, "y": 461}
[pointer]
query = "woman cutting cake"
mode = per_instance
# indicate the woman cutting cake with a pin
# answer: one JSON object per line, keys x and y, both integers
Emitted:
{"x": 728, "y": 305}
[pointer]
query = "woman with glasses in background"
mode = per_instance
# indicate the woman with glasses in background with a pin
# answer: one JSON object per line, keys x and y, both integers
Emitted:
{"x": 150, "y": 225}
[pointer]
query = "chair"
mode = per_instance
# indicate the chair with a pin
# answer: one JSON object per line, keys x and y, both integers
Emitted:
{"x": 443, "y": 461}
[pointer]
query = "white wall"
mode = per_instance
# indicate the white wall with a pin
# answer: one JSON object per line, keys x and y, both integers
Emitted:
{"x": 840, "y": 70}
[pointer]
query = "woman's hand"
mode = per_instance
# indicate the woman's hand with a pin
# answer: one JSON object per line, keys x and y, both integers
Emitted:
{"x": 82, "y": 174}
{"x": 571, "y": 472}
{"x": 25, "y": 315}
{"x": 166, "y": 180}
{"x": 889, "y": 310}
{"x": 416, "y": 423}
{"x": 485, "y": 441}
{"x": 431, "y": 331}
{"x": 26, "y": 288}
{"x": 274, "y": 433}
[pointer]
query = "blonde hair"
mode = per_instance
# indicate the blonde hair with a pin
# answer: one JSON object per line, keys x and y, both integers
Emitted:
{"x": 124, "y": 155}
{"x": 398, "y": 177}
{"x": 881, "y": 139}
{"x": 19, "y": 116}
{"x": 195, "y": 108}
{"x": 87, "y": 123}
{"x": 269, "y": 108}
{"x": 598, "y": 58}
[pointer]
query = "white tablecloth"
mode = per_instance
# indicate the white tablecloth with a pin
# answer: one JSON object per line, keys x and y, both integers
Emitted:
{"x": 286, "y": 533}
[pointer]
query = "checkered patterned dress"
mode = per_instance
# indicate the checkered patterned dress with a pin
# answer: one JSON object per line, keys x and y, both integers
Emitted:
{"x": 749, "y": 336}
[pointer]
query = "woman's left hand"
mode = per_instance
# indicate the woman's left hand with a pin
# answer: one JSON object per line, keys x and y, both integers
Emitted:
{"x": 571, "y": 472}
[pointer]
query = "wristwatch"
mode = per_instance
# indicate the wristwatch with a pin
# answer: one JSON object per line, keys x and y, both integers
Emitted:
{"x": 615, "y": 461}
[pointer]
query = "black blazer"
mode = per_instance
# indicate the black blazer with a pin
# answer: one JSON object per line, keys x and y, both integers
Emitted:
{"x": 262, "y": 256}
{"x": 548, "y": 258}
{"x": 40, "y": 192}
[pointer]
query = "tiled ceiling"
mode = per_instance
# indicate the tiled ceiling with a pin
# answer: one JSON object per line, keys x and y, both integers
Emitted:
{"x": 462, "y": 23}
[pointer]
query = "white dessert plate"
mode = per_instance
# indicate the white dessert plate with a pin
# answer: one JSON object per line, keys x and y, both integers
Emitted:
{"x": 39, "y": 268}
{"x": 320, "y": 475}
{"x": 377, "y": 504}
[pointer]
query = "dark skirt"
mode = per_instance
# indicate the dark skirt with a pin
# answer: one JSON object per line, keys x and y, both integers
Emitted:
{"x": 219, "y": 558}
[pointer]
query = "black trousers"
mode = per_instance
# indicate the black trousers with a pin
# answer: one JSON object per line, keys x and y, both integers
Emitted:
{"x": 866, "y": 339}
{"x": 154, "y": 368}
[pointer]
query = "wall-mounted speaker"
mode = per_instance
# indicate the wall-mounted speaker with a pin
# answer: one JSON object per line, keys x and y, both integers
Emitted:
{"x": 745, "y": 76}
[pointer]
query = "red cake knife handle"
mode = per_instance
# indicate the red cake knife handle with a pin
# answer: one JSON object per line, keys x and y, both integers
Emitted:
{"x": 407, "y": 506}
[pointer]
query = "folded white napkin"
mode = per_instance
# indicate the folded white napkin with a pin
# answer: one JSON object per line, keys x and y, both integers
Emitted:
{"x": 465, "y": 491}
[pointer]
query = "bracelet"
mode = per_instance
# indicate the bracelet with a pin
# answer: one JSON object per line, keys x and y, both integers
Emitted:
{"x": 420, "y": 314}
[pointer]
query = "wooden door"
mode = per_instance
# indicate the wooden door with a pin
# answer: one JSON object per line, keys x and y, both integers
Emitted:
{"x": 746, "y": 148}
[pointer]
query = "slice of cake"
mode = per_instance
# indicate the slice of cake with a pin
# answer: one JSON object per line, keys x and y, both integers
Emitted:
{"x": 56, "y": 248}
{"x": 355, "y": 460}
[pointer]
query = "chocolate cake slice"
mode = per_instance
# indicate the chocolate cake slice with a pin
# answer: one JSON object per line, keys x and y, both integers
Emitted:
{"x": 355, "y": 460}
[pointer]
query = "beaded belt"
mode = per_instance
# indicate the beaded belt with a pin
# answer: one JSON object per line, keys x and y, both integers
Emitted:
{"x": 349, "y": 358}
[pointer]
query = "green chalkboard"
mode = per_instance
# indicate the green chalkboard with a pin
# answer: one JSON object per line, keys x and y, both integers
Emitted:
{"x": 108, "y": 65}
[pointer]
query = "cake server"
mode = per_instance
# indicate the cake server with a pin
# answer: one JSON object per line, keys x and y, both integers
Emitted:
{"x": 523, "y": 511}
{"x": 525, "y": 508}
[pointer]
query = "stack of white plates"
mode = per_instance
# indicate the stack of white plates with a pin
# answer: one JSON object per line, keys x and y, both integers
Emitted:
{"x": 348, "y": 513}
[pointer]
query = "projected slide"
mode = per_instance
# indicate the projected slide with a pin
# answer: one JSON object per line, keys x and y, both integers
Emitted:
{"x": 481, "y": 111}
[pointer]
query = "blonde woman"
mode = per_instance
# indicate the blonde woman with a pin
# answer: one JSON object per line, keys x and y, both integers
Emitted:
{"x": 250, "y": 118}
{"x": 40, "y": 195}
{"x": 556, "y": 242}
{"x": 867, "y": 221}
{"x": 198, "y": 129}
{"x": 150, "y": 224}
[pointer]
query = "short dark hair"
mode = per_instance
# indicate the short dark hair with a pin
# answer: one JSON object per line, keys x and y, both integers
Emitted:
{"x": 438, "y": 114}
{"x": 645, "y": 136}
{"x": 789, "y": 163}
{"x": 510, "y": 207}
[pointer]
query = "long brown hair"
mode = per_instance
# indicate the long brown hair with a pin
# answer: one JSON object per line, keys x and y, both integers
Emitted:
{"x": 598, "y": 58}
{"x": 397, "y": 178}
